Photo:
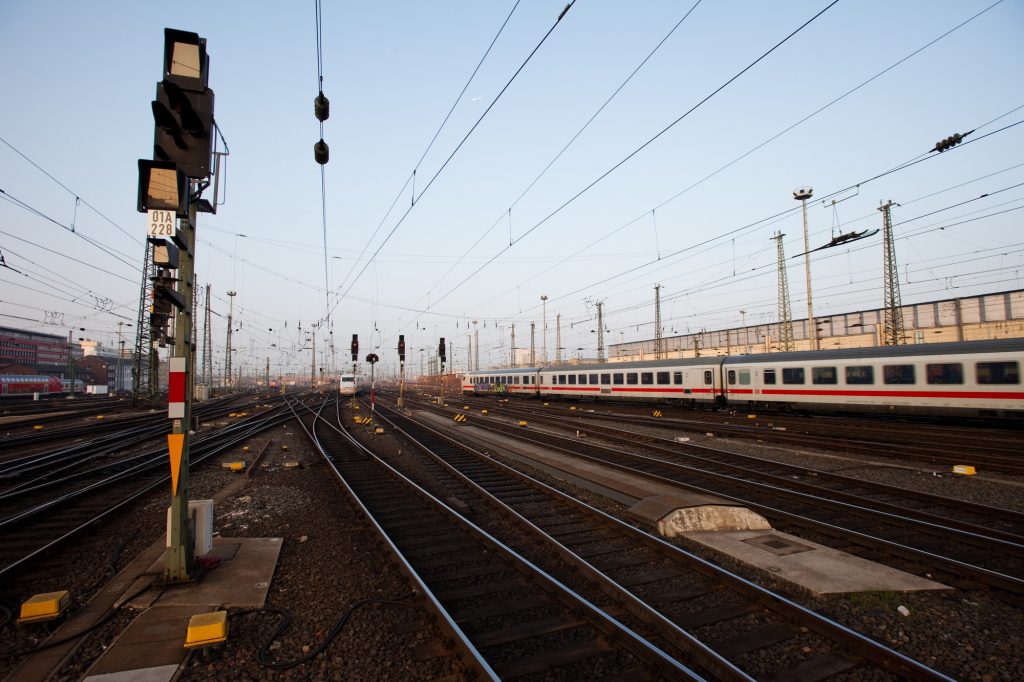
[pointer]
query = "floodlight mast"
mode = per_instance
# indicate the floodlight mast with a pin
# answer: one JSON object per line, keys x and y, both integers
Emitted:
{"x": 802, "y": 194}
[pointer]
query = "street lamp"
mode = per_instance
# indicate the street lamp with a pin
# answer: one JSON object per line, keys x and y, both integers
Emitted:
{"x": 802, "y": 194}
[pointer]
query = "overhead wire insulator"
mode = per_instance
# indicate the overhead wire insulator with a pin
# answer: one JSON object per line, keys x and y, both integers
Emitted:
{"x": 321, "y": 152}
{"x": 321, "y": 107}
{"x": 951, "y": 141}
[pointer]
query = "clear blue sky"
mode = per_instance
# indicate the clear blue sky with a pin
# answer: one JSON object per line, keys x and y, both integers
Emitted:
{"x": 78, "y": 79}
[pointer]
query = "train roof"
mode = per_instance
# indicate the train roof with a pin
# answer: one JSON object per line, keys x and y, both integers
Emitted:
{"x": 907, "y": 350}
{"x": 950, "y": 348}
{"x": 507, "y": 370}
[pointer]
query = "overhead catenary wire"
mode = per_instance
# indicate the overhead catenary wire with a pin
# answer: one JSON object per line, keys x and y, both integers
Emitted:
{"x": 412, "y": 177}
{"x": 321, "y": 116}
{"x": 70, "y": 191}
{"x": 926, "y": 156}
{"x": 565, "y": 148}
{"x": 641, "y": 148}
{"x": 21, "y": 204}
{"x": 776, "y": 136}
{"x": 460, "y": 144}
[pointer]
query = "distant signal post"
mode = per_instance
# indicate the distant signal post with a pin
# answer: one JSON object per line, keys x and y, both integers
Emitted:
{"x": 401, "y": 370}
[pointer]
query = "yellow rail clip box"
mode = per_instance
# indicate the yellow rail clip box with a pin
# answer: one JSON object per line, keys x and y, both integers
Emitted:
{"x": 45, "y": 606}
{"x": 205, "y": 629}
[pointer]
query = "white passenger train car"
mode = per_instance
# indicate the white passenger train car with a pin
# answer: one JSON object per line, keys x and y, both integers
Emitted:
{"x": 969, "y": 378}
{"x": 981, "y": 377}
{"x": 347, "y": 384}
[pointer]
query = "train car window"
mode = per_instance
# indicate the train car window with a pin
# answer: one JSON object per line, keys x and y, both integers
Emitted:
{"x": 677, "y": 377}
{"x": 708, "y": 378}
{"x": 769, "y": 376}
{"x": 618, "y": 378}
{"x": 860, "y": 374}
{"x": 824, "y": 375}
{"x": 515, "y": 380}
{"x": 594, "y": 379}
{"x": 792, "y": 375}
{"x": 561, "y": 378}
{"x": 583, "y": 379}
{"x": 732, "y": 376}
{"x": 945, "y": 373}
{"x": 744, "y": 377}
{"x": 572, "y": 379}
{"x": 998, "y": 373}
{"x": 606, "y": 378}
{"x": 898, "y": 374}
{"x": 664, "y": 377}
{"x": 631, "y": 378}
{"x": 647, "y": 378}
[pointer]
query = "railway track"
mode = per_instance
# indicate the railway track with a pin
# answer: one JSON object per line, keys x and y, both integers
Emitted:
{"x": 919, "y": 540}
{"x": 992, "y": 450}
{"x": 713, "y": 617}
{"x": 507, "y": 618}
{"x": 211, "y": 410}
{"x": 36, "y": 521}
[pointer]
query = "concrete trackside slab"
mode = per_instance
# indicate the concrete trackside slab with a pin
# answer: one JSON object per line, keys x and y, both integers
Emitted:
{"x": 152, "y": 647}
{"x": 684, "y": 512}
{"x": 241, "y": 580}
{"x": 818, "y": 569}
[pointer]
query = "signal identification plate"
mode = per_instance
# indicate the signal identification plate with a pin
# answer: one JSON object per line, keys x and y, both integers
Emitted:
{"x": 160, "y": 223}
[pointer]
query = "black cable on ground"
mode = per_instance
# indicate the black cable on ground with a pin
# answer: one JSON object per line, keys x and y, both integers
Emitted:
{"x": 264, "y": 657}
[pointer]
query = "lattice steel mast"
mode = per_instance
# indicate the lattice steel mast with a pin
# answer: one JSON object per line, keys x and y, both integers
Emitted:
{"x": 207, "y": 343}
{"x": 513, "y": 344}
{"x": 533, "y": 345}
{"x": 892, "y": 330}
{"x": 600, "y": 331}
{"x": 558, "y": 338}
{"x": 657, "y": 322}
{"x": 785, "y": 317}
{"x": 144, "y": 359}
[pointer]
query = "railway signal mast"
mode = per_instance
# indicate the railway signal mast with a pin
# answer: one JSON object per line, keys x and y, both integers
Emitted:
{"x": 355, "y": 359}
{"x": 170, "y": 188}
{"x": 441, "y": 359}
{"x": 401, "y": 370}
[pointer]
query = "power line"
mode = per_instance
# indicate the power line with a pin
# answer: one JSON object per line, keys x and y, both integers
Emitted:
{"x": 641, "y": 147}
{"x": 762, "y": 221}
{"x": 412, "y": 177}
{"x": 565, "y": 147}
{"x": 70, "y": 258}
{"x": 21, "y": 204}
{"x": 70, "y": 191}
{"x": 459, "y": 146}
{"x": 776, "y": 136}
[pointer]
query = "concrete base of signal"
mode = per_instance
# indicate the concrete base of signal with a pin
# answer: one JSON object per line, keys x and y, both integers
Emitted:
{"x": 717, "y": 524}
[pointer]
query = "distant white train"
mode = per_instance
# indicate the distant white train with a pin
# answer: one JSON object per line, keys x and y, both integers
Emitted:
{"x": 347, "y": 384}
{"x": 970, "y": 378}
